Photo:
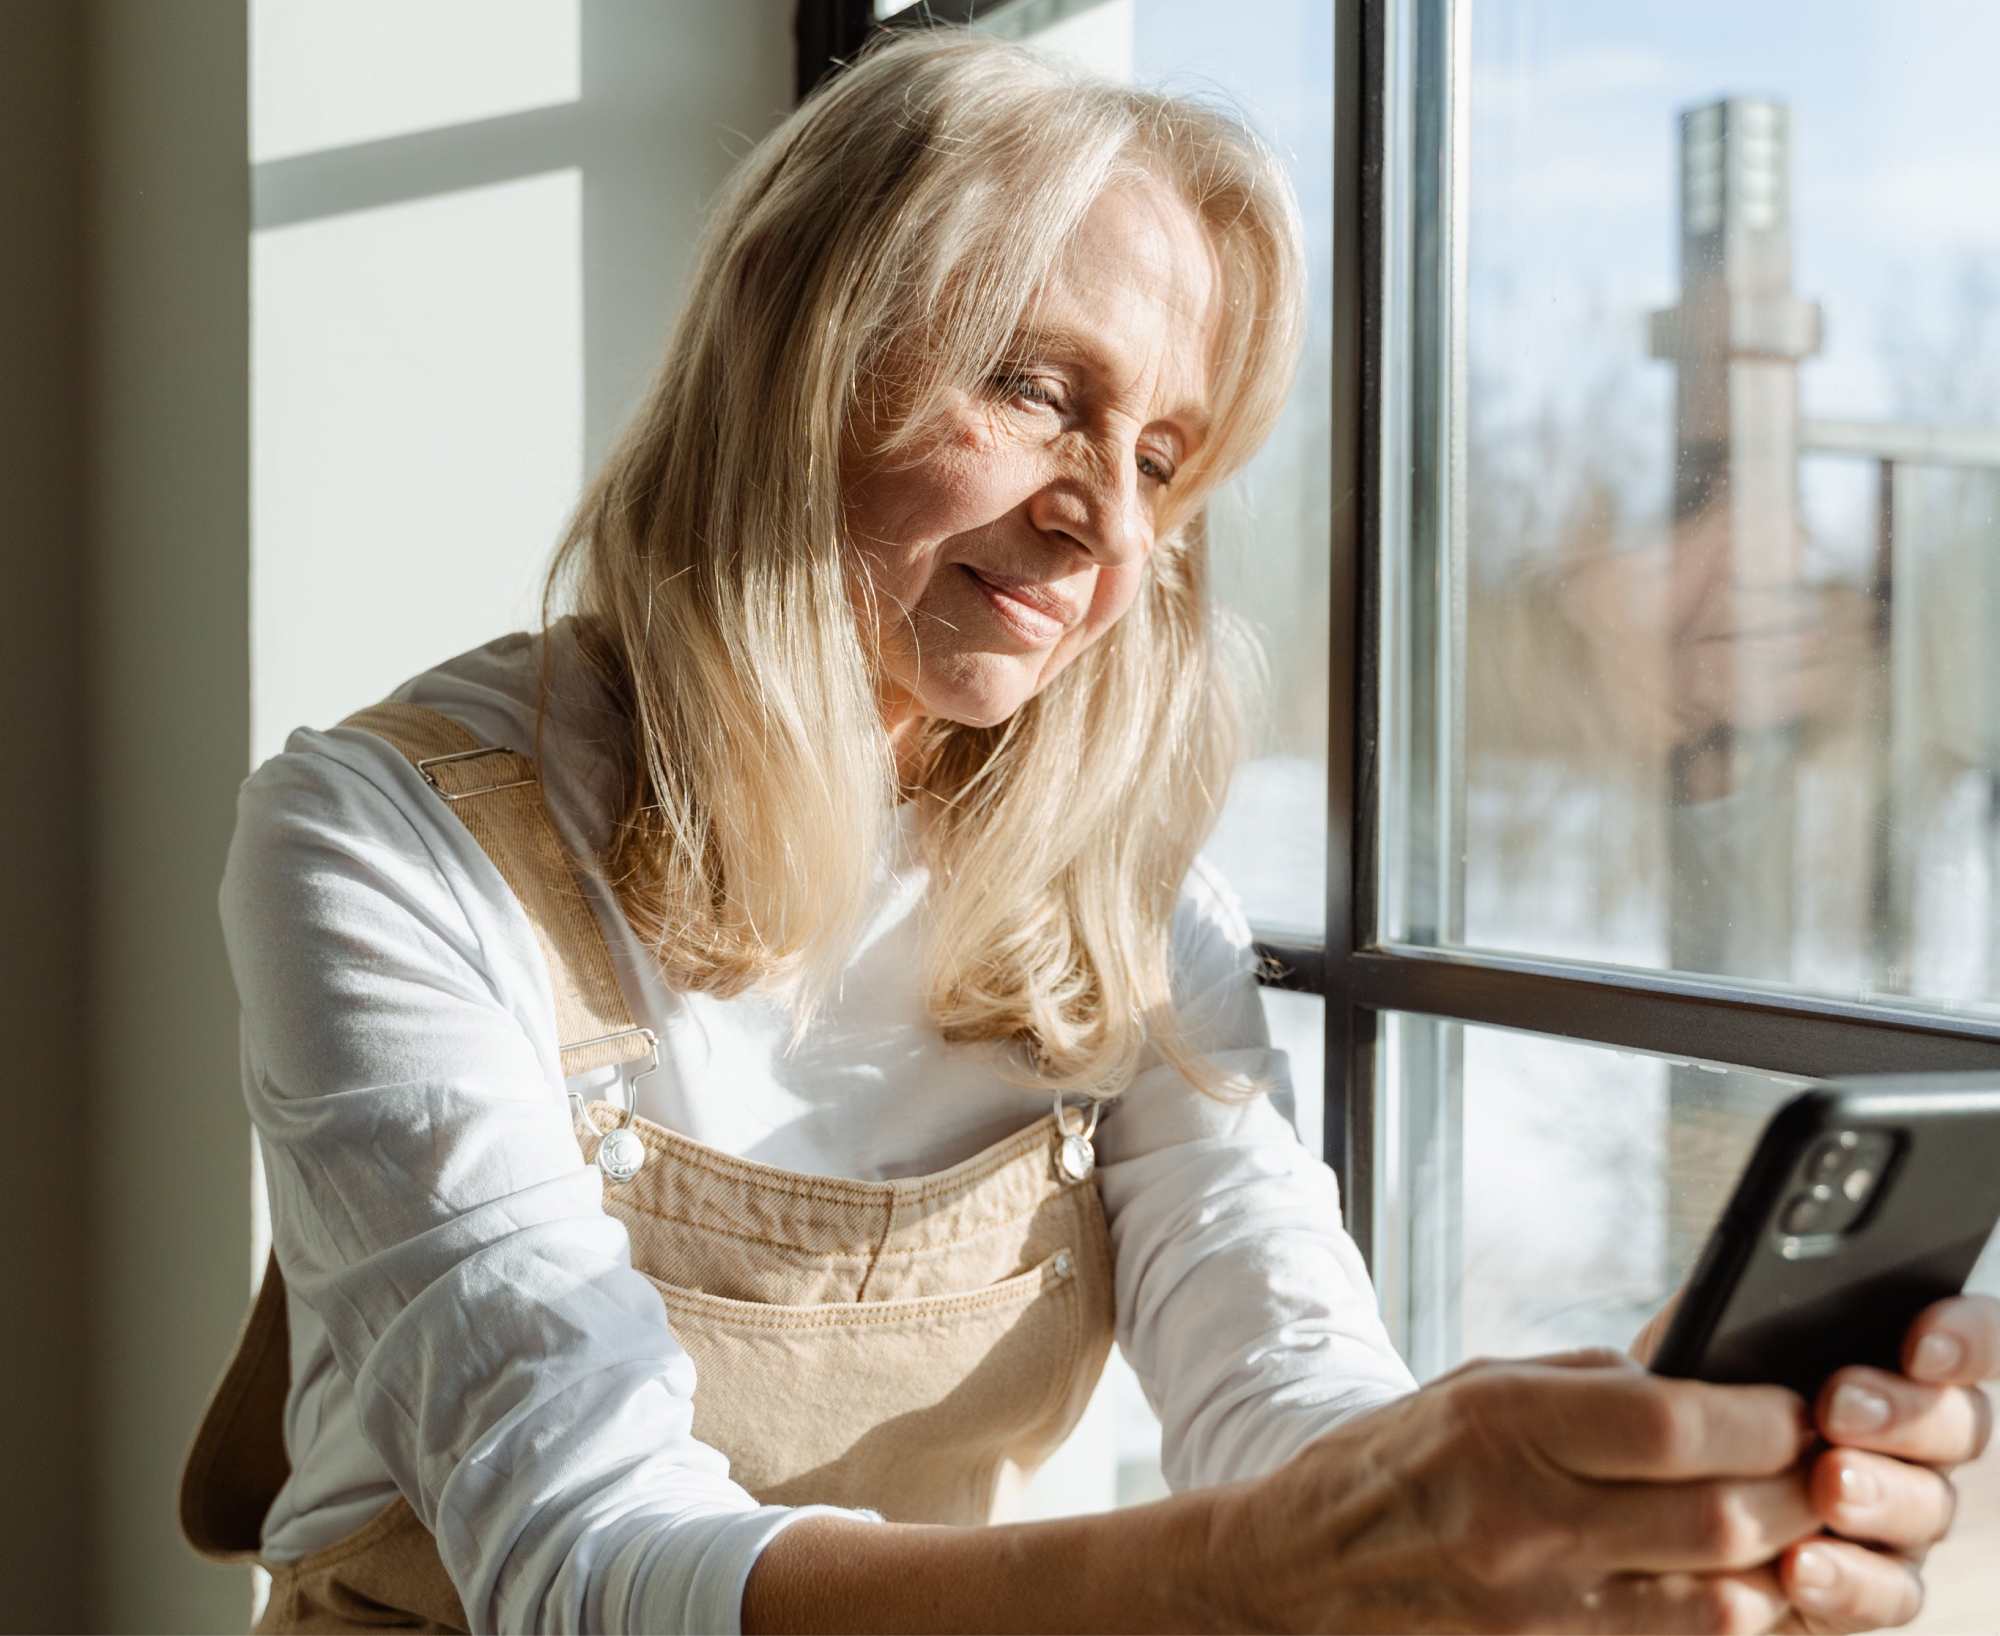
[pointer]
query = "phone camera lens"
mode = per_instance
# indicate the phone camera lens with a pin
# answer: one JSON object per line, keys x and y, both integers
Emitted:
{"x": 1806, "y": 1212}
{"x": 1833, "y": 1156}
{"x": 1857, "y": 1184}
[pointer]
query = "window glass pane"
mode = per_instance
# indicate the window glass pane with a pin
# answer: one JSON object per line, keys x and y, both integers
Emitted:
{"x": 1535, "y": 1194}
{"x": 1273, "y": 62}
{"x": 1094, "y": 35}
{"x": 417, "y": 438}
{"x": 325, "y": 75}
{"x": 1718, "y": 465}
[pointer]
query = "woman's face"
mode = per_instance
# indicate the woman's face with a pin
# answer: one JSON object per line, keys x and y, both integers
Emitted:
{"x": 1016, "y": 533}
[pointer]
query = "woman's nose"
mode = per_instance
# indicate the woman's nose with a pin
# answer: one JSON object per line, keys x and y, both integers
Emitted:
{"x": 1098, "y": 503}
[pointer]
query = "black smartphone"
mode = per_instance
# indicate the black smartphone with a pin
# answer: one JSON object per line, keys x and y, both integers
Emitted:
{"x": 1865, "y": 1201}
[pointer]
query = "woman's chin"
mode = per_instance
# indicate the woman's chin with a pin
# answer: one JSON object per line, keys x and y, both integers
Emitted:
{"x": 977, "y": 709}
{"x": 977, "y": 690}
{"x": 983, "y": 716}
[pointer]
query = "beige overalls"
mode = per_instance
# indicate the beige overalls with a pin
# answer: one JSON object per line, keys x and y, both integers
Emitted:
{"x": 916, "y": 1347}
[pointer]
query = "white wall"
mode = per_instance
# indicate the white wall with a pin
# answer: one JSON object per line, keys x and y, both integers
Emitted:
{"x": 126, "y": 626}
{"x": 437, "y": 363}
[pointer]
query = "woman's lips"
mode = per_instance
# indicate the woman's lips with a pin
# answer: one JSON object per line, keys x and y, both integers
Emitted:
{"x": 1032, "y": 612}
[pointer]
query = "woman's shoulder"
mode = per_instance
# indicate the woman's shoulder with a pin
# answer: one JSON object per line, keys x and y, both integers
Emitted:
{"x": 347, "y": 875}
{"x": 494, "y": 690}
{"x": 332, "y": 773}
{"x": 341, "y": 798}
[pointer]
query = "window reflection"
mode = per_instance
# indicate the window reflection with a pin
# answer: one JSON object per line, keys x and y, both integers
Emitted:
{"x": 1732, "y": 454}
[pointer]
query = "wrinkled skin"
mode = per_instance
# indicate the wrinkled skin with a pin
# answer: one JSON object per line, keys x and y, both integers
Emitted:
{"x": 1015, "y": 532}
{"x": 1581, "y": 1493}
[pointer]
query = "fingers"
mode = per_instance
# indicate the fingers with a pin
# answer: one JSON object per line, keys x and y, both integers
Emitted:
{"x": 1687, "y": 1527}
{"x": 1749, "y": 1603}
{"x": 1620, "y": 1424}
{"x": 1647, "y": 1341}
{"x": 1937, "y": 1425}
{"x": 1955, "y": 1342}
{"x": 1586, "y": 1357}
{"x": 1882, "y": 1501}
{"x": 1842, "y": 1587}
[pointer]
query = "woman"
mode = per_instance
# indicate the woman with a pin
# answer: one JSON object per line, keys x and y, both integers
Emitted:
{"x": 684, "y": 1141}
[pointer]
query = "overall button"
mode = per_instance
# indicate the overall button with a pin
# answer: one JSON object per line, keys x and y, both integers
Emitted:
{"x": 620, "y": 1154}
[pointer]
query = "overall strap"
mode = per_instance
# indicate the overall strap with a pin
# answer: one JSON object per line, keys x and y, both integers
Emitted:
{"x": 496, "y": 793}
{"x": 238, "y": 1461}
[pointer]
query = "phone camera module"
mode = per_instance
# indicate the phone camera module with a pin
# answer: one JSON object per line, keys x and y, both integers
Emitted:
{"x": 1839, "y": 1178}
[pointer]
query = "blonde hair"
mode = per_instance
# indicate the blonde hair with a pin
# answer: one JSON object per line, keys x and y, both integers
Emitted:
{"x": 884, "y": 244}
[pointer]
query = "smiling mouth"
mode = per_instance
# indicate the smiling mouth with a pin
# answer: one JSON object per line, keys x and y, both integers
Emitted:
{"x": 1032, "y": 612}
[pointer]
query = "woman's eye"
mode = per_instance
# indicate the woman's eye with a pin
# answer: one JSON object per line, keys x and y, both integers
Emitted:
{"x": 1158, "y": 470}
{"x": 1027, "y": 389}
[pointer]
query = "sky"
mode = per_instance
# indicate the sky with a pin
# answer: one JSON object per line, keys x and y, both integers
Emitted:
{"x": 1896, "y": 196}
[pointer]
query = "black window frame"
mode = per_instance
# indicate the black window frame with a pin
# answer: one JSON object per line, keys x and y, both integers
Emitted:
{"x": 1360, "y": 974}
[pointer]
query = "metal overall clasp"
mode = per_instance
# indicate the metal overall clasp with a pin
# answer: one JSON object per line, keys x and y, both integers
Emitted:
{"x": 1076, "y": 1159}
{"x": 620, "y": 1152}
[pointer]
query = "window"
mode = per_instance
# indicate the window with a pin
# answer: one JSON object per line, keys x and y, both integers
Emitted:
{"x": 1678, "y": 353}
{"x": 1669, "y": 599}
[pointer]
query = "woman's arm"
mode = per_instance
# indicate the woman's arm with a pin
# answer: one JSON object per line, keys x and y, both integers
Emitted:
{"x": 1578, "y": 1494}
{"x": 1243, "y": 1306}
{"x": 1568, "y": 1494}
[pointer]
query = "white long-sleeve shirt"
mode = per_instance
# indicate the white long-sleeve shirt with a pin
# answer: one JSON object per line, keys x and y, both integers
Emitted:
{"x": 466, "y": 1325}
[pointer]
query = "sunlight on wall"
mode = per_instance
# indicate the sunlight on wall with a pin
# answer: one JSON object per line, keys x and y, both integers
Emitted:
{"x": 325, "y": 76}
{"x": 418, "y": 438}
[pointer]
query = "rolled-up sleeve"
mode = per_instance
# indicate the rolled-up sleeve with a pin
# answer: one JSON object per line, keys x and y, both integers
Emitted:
{"x": 1243, "y": 1306}
{"x": 430, "y": 1206}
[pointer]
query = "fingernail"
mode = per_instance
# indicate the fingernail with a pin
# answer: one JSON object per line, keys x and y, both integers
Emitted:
{"x": 1856, "y": 1409}
{"x": 1859, "y": 1486}
{"x": 1815, "y": 1573}
{"x": 1938, "y": 1354}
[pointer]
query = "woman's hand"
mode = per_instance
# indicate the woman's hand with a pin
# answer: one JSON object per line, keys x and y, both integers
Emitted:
{"x": 1882, "y": 1485}
{"x": 1572, "y": 1493}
